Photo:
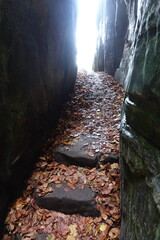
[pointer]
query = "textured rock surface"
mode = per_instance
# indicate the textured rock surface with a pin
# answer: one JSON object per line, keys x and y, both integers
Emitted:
{"x": 133, "y": 12}
{"x": 111, "y": 158}
{"x": 139, "y": 72}
{"x": 112, "y": 26}
{"x": 140, "y": 130}
{"x": 37, "y": 71}
{"x": 69, "y": 201}
{"x": 42, "y": 236}
{"x": 75, "y": 154}
{"x": 75, "y": 158}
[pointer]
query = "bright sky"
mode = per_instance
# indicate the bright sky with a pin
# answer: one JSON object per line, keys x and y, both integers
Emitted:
{"x": 86, "y": 33}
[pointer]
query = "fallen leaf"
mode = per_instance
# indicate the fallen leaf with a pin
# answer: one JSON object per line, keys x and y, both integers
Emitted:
{"x": 50, "y": 237}
{"x": 91, "y": 154}
{"x": 89, "y": 228}
{"x": 103, "y": 227}
{"x": 42, "y": 158}
{"x": 73, "y": 230}
{"x": 85, "y": 116}
{"x": 70, "y": 237}
{"x": 114, "y": 233}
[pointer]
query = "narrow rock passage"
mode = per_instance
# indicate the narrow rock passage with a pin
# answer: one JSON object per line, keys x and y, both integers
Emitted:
{"x": 86, "y": 144}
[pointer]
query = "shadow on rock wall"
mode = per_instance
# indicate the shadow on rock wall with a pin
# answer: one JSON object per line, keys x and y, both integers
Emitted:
{"x": 138, "y": 72}
{"x": 37, "y": 71}
{"x": 140, "y": 130}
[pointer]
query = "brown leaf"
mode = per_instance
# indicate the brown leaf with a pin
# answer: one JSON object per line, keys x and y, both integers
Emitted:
{"x": 106, "y": 191}
{"x": 91, "y": 154}
{"x": 69, "y": 237}
{"x": 73, "y": 230}
{"x": 114, "y": 233}
{"x": 103, "y": 227}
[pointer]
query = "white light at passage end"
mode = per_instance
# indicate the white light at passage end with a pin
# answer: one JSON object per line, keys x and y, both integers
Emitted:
{"x": 86, "y": 33}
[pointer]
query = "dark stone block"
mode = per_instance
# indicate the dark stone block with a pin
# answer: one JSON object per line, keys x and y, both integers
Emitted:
{"x": 42, "y": 236}
{"x": 111, "y": 158}
{"x": 72, "y": 157}
{"x": 16, "y": 237}
{"x": 69, "y": 201}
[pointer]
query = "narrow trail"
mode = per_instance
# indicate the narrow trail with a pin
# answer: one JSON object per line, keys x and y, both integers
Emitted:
{"x": 89, "y": 126}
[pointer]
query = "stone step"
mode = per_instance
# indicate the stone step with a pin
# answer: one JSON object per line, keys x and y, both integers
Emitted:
{"x": 68, "y": 201}
{"x": 111, "y": 158}
{"x": 77, "y": 158}
{"x": 42, "y": 236}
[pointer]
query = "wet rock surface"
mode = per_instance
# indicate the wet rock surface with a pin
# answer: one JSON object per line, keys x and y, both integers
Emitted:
{"x": 75, "y": 157}
{"x": 140, "y": 129}
{"x": 69, "y": 201}
{"x": 111, "y": 158}
{"x": 37, "y": 72}
{"x": 138, "y": 72}
{"x": 43, "y": 236}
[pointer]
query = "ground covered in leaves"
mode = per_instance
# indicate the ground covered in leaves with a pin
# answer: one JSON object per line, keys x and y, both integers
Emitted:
{"x": 94, "y": 110}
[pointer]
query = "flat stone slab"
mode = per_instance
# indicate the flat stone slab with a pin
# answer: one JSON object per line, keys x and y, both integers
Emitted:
{"x": 16, "y": 237}
{"x": 73, "y": 157}
{"x": 66, "y": 200}
{"x": 42, "y": 236}
{"x": 111, "y": 158}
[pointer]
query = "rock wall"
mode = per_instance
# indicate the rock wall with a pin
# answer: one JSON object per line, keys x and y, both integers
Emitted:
{"x": 37, "y": 71}
{"x": 133, "y": 10}
{"x": 112, "y": 23}
{"x": 140, "y": 130}
{"x": 139, "y": 73}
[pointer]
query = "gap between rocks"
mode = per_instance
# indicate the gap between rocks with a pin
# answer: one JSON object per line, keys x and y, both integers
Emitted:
{"x": 73, "y": 192}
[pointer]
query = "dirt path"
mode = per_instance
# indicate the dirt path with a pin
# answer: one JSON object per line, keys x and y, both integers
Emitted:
{"x": 89, "y": 124}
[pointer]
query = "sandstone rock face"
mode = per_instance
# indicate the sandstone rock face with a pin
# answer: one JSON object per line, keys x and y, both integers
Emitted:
{"x": 140, "y": 130}
{"x": 37, "y": 71}
{"x": 133, "y": 11}
{"x": 139, "y": 72}
{"x": 112, "y": 25}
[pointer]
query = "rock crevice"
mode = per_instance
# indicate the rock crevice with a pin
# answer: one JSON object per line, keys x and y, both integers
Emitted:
{"x": 112, "y": 25}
